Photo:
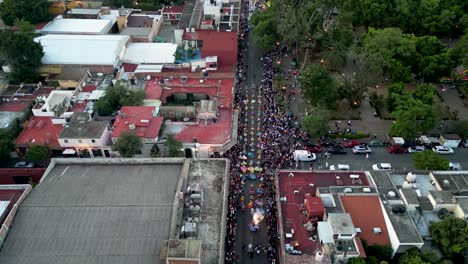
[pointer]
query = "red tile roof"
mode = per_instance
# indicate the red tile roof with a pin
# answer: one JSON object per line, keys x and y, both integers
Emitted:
{"x": 146, "y": 125}
{"x": 40, "y": 131}
{"x": 222, "y": 44}
{"x": 366, "y": 213}
{"x": 173, "y": 9}
{"x": 153, "y": 90}
{"x": 129, "y": 67}
{"x": 314, "y": 207}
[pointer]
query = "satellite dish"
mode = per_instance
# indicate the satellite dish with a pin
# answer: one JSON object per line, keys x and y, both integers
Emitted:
{"x": 391, "y": 194}
{"x": 411, "y": 177}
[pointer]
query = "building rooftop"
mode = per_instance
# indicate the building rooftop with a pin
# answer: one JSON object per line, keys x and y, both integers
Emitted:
{"x": 404, "y": 227}
{"x": 85, "y": 11}
{"x": 150, "y": 53}
{"x": 84, "y": 129}
{"x": 456, "y": 182}
{"x": 142, "y": 118}
{"x": 142, "y": 20}
{"x": 96, "y": 211}
{"x": 410, "y": 196}
{"x": 341, "y": 223}
{"x": 77, "y": 26}
{"x": 443, "y": 197}
{"x": 82, "y": 49}
{"x": 463, "y": 202}
{"x": 366, "y": 213}
{"x": 40, "y": 131}
{"x": 222, "y": 44}
{"x": 136, "y": 31}
{"x": 7, "y": 119}
{"x": 173, "y": 9}
{"x": 422, "y": 183}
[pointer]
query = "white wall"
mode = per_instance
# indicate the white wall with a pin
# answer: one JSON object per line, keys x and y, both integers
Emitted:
{"x": 103, "y": 141}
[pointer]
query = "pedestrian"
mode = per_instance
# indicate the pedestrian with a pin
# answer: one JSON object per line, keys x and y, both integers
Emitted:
{"x": 367, "y": 156}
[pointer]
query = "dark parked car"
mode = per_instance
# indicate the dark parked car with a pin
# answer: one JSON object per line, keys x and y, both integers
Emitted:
{"x": 337, "y": 149}
{"x": 376, "y": 143}
{"x": 326, "y": 142}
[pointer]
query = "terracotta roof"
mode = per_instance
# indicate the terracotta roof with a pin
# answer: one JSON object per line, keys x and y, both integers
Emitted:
{"x": 173, "y": 9}
{"x": 146, "y": 125}
{"x": 222, "y": 44}
{"x": 366, "y": 213}
{"x": 40, "y": 131}
{"x": 129, "y": 67}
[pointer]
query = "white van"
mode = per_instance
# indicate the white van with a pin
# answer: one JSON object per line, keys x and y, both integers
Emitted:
{"x": 303, "y": 155}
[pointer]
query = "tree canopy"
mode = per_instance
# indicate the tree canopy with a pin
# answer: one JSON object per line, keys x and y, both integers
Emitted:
{"x": 264, "y": 29}
{"x": 318, "y": 86}
{"x": 174, "y": 147}
{"x": 316, "y": 124}
{"x": 451, "y": 235}
{"x": 117, "y": 96}
{"x": 128, "y": 144}
{"x": 32, "y": 11}
{"x": 411, "y": 117}
{"x": 6, "y": 146}
{"x": 37, "y": 153}
{"x": 421, "y": 17}
{"x": 22, "y": 53}
{"x": 429, "y": 160}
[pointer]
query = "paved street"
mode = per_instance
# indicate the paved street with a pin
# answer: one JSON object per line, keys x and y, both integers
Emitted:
{"x": 252, "y": 114}
{"x": 379, "y": 155}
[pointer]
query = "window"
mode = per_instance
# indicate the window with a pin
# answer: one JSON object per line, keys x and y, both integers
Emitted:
{"x": 93, "y": 141}
{"x": 165, "y": 16}
{"x": 66, "y": 141}
{"x": 178, "y": 16}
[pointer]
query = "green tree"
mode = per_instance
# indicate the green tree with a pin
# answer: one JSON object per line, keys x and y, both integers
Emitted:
{"x": 411, "y": 117}
{"x": 318, "y": 86}
{"x": 104, "y": 107}
{"x": 451, "y": 235}
{"x": 394, "y": 93}
{"x": 155, "y": 151}
{"x": 128, "y": 144}
{"x": 412, "y": 256}
{"x": 316, "y": 124}
{"x": 429, "y": 160}
{"x": 358, "y": 260}
{"x": 117, "y": 96}
{"x": 461, "y": 128}
{"x": 6, "y": 146}
{"x": 264, "y": 29}
{"x": 425, "y": 93}
{"x": 23, "y": 54}
{"x": 174, "y": 147}
{"x": 37, "y": 153}
{"x": 32, "y": 11}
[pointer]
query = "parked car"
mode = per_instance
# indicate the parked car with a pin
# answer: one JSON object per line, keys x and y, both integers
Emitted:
{"x": 376, "y": 143}
{"x": 395, "y": 149}
{"x": 382, "y": 166}
{"x": 455, "y": 166}
{"x": 337, "y": 149}
{"x": 351, "y": 143}
{"x": 326, "y": 142}
{"x": 313, "y": 148}
{"x": 361, "y": 149}
{"x": 341, "y": 167}
{"x": 464, "y": 143}
{"x": 24, "y": 164}
{"x": 443, "y": 150}
{"x": 303, "y": 155}
{"x": 415, "y": 149}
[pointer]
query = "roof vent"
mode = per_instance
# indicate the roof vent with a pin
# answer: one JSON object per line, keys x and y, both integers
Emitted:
{"x": 377, "y": 230}
{"x": 348, "y": 190}
{"x": 446, "y": 183}
{"x": 131, "y": 126}
{"x": 366, "y": 190}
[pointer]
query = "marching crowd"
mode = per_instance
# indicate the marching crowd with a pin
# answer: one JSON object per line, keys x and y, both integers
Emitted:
{"x": 279, "y": 133}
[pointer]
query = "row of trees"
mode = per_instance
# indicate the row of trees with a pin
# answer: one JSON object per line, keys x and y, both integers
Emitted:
{"x": 129, "y": 144}
{"x": 116, "y": 97}
{"x": 31, "y": 11}
{"x": 446, "y": 18}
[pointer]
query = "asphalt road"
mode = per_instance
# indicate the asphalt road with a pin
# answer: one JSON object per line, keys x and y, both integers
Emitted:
{"x": 379, "y": 155}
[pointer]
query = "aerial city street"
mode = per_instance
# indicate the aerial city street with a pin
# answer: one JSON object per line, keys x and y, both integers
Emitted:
{"x": 233, "y": 131}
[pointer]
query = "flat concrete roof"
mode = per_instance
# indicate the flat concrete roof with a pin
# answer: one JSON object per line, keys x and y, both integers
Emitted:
{"x": 404, "y": 227}
{"x": 456, "y": 182}
{"x": 77, "y": 26}
{"x": 118, "y": 211}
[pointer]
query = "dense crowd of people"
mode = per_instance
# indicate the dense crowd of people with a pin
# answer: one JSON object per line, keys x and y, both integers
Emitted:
{"x": 277, "y": 140}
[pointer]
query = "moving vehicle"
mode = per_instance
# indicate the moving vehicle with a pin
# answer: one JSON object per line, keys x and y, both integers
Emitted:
{"x": 381, "y": 166}
{"x": 361, "y": 149}
{"x": 376, "y": 143}
{"x": 313, "y": 148}
{"x": 337, "y": 149}
{"x": 303, "y": 155}
{"x": 351, "y": 143}
{"x": 395, "y": 149}
{"x": 24, "y": 164}
{"x": 455, "y": 166}
{"x": 415, "y": 149}
{"x": 341, "y": 167}
{"x": 443, "y": 150}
